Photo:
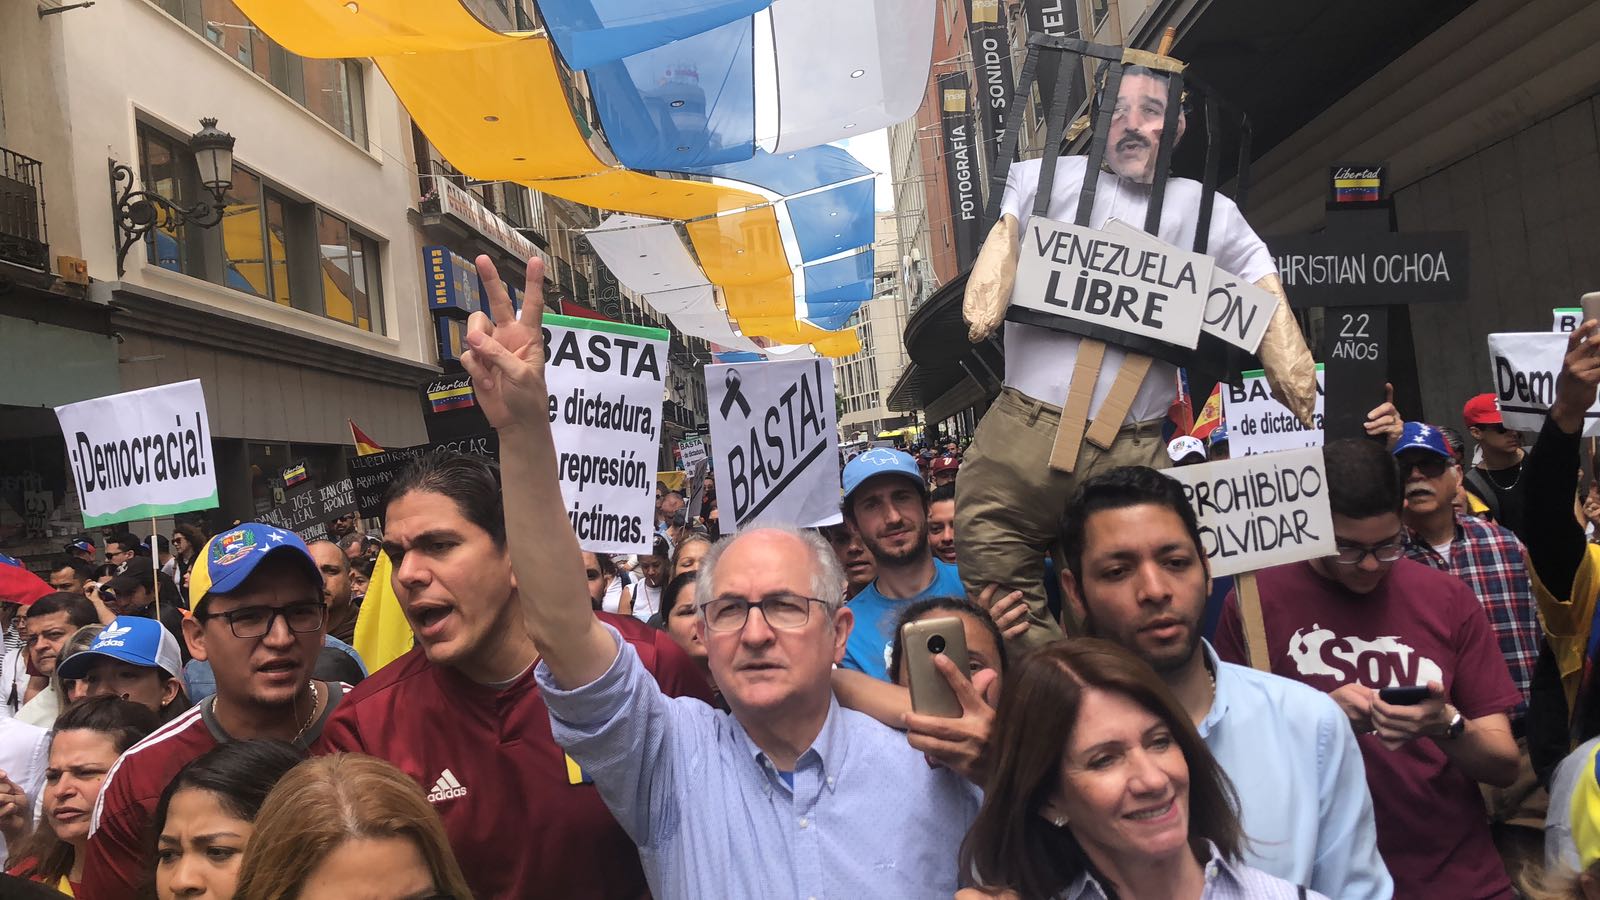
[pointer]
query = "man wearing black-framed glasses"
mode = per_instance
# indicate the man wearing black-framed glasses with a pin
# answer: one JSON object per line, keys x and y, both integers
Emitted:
{"x": 1367, "y": 618}
{"x": 258, "y": 620}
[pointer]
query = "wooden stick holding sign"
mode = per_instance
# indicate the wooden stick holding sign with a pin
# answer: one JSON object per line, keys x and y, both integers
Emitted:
{"x": 155, "y": 567}
{"x": 1255, "y": 512}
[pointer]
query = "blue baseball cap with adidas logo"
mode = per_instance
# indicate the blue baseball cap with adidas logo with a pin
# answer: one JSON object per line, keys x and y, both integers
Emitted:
{"x": 130, "y": 639}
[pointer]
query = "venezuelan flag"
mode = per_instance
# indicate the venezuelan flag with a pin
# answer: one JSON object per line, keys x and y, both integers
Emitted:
{"x": 452, "y": 398}
{"x": 294, "y": 475}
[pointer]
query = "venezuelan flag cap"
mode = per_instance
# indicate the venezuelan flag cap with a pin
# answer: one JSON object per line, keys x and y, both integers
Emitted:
{"x": 227, "y": 560}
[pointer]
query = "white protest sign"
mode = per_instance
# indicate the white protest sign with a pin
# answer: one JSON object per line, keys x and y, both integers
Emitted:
{"x": 141, "y": 454}
{"x": 1101, "y": 278}
{"x": 693, "y": 450}
{"x": 1525, "y": 366}
{"x": 1259, "y": 424}
{"x": 1566, "y": 319}
{"x": 1259, "y": 511}
{"x": 1236, "y": 311}
{"x": 777, "y": 447}
{"x": 605, "y": 383}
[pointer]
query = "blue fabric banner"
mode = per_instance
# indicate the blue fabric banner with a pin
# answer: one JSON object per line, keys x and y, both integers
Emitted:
{"x": 591, "y": 33}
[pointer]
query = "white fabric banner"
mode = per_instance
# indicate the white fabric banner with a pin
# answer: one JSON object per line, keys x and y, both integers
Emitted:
{"x": 141, "y": 454}
{"x": 646, "y": 255}
{"x": 605, "y": 381}
{"x": 775, "y": 442}
{"x": 1259, "y": 424}
{"x": 1259, "y": 511}
{"x": 1524, "y": 366}
{"x": 845, "y": 68}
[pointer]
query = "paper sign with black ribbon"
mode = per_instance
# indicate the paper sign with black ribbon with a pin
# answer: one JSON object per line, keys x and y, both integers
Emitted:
{"x": 775, "y": 442}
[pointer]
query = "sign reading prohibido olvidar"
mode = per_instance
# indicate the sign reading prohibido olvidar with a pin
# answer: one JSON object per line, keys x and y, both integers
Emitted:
{"x": 777, "y": 450}
{"x": 141, "y": 454}
{"x": 1260, "y": 511}
{"x": 605, "y": 383}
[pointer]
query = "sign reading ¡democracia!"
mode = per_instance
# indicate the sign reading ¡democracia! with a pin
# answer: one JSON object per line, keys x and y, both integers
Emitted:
{"x": 776, "y": 445}
{"x": 605, "y": 381}
{"x": 141, "y": 454}
{"x": 1525, "y": 366}
{"x": 1260, "y": 511}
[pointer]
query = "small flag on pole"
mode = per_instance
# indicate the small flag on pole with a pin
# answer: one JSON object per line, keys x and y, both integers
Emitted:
{"x": 365, "y": 446}
{"x": 1210, "y": 415}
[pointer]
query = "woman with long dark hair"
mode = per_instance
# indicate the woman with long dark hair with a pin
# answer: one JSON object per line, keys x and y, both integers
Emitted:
{"x": 1101, "y": 787}
{"x": 88, "y": 738}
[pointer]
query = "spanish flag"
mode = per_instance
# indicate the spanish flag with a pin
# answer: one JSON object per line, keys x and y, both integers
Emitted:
{"x": 365, "y": 446}
{"x": 1210, "y": 415}
{"x": 382, "y": 633}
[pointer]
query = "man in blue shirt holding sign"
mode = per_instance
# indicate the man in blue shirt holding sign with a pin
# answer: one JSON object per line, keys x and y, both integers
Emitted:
{"x": 886, "y": 502}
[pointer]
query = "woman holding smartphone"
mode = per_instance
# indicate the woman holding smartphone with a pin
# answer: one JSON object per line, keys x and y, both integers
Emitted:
{"x": 1101, "y": 787}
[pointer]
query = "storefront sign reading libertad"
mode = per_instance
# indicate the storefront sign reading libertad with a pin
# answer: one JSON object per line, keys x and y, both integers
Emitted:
{"x": 141, "y": 454}
{"x": 776, "y": 444}
{"x": 1260, "y": 511}
{"x": 605, "y": 381}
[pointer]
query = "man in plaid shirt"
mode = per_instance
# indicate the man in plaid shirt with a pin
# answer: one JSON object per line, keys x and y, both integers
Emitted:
{"x": 1486, "y": 556}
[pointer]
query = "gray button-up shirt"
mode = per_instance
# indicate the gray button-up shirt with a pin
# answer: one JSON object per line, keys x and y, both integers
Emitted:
{"x": 867, "y": 816}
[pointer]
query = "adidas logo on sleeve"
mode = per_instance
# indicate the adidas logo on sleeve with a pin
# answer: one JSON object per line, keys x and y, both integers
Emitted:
{"x": 446, "y": 788}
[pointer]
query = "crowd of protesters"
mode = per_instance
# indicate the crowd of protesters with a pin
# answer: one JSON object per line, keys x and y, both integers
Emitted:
{"x": 737, "y": 714}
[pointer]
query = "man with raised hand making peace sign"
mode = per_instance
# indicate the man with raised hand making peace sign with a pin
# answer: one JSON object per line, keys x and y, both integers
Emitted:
{"x": 827, "y": 801}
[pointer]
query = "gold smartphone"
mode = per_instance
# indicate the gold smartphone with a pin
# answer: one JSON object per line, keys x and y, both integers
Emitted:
{"x": 920, "y": 642}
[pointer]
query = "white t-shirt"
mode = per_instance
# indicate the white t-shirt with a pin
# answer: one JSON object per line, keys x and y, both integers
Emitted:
{"x": 1039, "y": 360}
{"x": 24, "y": 756}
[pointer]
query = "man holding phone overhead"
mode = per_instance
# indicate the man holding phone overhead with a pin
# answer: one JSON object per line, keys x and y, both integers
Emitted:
{"x": 790, "y": 795}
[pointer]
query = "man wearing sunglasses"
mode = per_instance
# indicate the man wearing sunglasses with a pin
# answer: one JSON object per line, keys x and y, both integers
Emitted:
{"x": 258, "y": 619}
{"x": 1368, "y": 618}
{"x": 1497, "y": 480}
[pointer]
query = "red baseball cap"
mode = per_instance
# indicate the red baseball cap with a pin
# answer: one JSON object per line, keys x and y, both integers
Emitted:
{"x": 1480, "y": 410}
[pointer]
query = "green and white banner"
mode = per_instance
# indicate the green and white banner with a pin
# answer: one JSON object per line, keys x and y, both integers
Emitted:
{"x": 141, "y": 454}
{"x": 605, "y": 381}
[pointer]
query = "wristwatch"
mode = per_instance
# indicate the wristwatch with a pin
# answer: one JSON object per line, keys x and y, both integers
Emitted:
{"x": 1458, "y": 724}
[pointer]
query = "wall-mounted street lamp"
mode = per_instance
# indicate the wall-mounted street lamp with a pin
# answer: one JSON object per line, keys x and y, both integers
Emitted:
{"x": 135, "y": 213}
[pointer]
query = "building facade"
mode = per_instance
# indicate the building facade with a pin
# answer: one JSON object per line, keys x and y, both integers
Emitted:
{"x": 305, "y": 308}
{"x": 863, "y": 380}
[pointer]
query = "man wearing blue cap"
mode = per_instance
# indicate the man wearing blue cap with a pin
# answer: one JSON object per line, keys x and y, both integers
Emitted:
{"x": 886, "y": 502}
{"x": 1486, "y": 556}
{"x": 258, "y": 619}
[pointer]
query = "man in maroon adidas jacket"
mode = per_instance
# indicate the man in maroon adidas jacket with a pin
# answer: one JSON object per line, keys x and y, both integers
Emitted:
{"x": 462, "y": 714}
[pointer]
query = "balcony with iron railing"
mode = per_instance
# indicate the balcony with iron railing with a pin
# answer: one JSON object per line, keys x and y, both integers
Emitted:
{"x": 23, "y": 239}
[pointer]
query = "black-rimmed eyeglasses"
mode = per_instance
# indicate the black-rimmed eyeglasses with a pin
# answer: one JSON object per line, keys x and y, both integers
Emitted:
{"x": 256, "y": 621}
{"x": 782, "y": 610}
{"x": 1386, "y": 552}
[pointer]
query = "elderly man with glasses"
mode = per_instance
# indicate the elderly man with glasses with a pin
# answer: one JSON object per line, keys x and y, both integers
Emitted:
{"x": 1363, "y": 624}
{"x": 790, "y": 795}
